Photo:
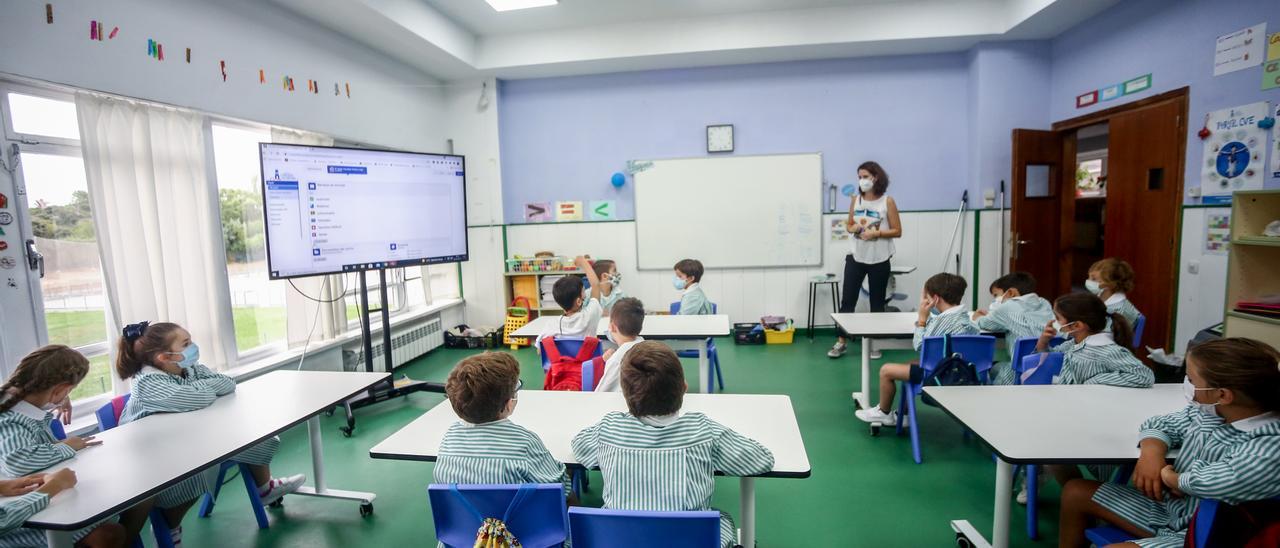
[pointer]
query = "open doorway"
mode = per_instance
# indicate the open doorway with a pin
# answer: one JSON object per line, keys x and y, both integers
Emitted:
{"x": 1107, "y": 184}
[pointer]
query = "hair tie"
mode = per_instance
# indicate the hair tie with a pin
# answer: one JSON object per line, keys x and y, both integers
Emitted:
{"x": 133, "y": 331}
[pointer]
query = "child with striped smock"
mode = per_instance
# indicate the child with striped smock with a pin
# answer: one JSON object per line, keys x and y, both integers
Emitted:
{"x": 656, "y": 458}
{"x": 1111, "y": 279}
{"x": 1228, "y": 439}
{"x": 1091, "y": 355}
{"x": 939, "y": 314}
{"x": 607, "y": 272}
{"x": 42, "y": 381}
{"x": 168, "y": 378}
{"x": 485, "y": 446}
{"x": 1017, "y": 312}
{"x": 687, "y": 279}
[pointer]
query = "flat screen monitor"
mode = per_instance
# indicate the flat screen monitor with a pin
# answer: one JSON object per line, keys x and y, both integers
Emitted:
{"x": 331, "y": 210}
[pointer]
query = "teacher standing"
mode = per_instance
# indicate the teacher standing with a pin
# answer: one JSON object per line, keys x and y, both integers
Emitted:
{"x": 872, "y": 224}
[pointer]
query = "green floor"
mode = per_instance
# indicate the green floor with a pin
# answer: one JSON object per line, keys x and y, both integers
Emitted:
{"x": 864, "y": 491}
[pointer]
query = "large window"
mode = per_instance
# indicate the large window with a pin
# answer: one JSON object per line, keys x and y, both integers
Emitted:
{"x": 257, "y": 303}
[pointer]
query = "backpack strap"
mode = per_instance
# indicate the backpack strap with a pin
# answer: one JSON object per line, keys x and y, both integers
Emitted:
{"x": 521, "y": 494}
{"x": 588, "y": 348}
{"x": 453, "y": 487}
{"x": 550, "y": 350}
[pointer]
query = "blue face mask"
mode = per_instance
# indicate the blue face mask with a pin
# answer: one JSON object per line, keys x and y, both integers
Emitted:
{"x": 190, "y": 356}
{"x": 677, "y": 282}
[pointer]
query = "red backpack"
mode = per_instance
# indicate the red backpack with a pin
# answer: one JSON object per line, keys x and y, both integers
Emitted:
{"x": 1254, "y": 524}
{"x": 572, "y": 372}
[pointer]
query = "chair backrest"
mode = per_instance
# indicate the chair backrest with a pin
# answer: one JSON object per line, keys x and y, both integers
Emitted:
{"x": 109, "y": 414}
{"x": 980, "y": 350}
{"x": 1047, "y": 366}
{"x": 675, "y": 308}
{"x": 598, "y": 527}
{"x": 538, "y": 521}
{"x": 1138, "y": 326}
{"x": 55, "y": 426}
{"x": 1022, "y": 348}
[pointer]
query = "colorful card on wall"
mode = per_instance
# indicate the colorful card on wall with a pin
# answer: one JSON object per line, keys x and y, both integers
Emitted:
{"x": 1135, "y": 85}
{"x": 1217, "y": 233}
{"x": 603, "y": 210}
{"x": 1275, "y": 144}
{"x": 1086, "y": 99}
{"x": 1111, "y": 92}
{"x": 568, "y": 211}
{"x": 1271, "y": 69}
{"x": 1239, "y": 50}
{"x": 539, "y": 212}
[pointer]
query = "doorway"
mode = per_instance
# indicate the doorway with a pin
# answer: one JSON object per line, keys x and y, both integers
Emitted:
{"x": 1113, "y": 181}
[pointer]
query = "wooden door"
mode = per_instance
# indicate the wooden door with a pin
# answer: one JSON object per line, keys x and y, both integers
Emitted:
{"x": 1036, "y": 246}
{"x": 1144, "y": 193}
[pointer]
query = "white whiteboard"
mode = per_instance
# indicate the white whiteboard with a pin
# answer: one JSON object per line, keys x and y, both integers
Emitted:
{"x": 730, "y": 212}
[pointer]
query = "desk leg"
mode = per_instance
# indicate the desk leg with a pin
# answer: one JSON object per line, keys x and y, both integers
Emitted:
{"x": 320, "y": 489}
{"x": 747, "y": 501}
{"x": 1004, "y": 486}
{"x": 58, "y": 539}
{"x": 704, "y": 366}
{"x": 862, "y": 399}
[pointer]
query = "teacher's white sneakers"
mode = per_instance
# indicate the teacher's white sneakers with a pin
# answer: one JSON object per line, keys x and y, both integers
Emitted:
{"x": 837, "y": 350}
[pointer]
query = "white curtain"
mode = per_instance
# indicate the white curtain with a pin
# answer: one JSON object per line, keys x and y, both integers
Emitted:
{"x": 155, "y": 208}
{"x": 301, "y": 310}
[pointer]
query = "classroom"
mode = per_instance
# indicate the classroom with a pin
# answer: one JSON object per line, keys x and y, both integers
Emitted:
{"x": 630, "y": 273}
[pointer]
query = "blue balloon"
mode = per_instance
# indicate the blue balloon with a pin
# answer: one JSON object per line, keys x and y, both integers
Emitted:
{"x": 619, "y": 179}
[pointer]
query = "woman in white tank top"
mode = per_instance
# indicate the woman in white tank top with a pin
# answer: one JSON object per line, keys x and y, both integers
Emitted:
{"x": 873, "y": 222}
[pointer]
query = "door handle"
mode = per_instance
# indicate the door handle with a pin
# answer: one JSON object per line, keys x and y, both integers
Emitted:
{"x": 35, "y": 260}
{"x": 1023, "y": 242}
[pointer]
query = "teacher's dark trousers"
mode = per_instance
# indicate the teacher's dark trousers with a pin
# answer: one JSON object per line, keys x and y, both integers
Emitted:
{"x": 877, "y": 284}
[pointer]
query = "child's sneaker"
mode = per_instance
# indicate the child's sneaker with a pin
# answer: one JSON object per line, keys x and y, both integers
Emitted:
{"x": 876, "y": 416}
{"x": 1022, "y": 494}
{"x": 279, "y": 487}
{"x": 875, "y": 354}
{"x": 175, "y": 535}
{"x": 837, "y": 350}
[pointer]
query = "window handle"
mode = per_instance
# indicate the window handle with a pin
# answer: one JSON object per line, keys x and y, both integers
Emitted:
{"x": 35, "y": 260}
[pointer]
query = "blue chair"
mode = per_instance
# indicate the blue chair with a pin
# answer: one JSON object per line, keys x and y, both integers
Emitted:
{"x": 569, "y": 346}
{"x": 534, "y": 513}
{"x": 1047, "y": 366}
{"x": 59, "y": 432}
{"x": 713, "y": 357}
{"x": 1026, "y": 347}
{"x": 109, "y": 417}
{"x": 1139, "y": 326}
{"x": 598, "y": 527}
{"x": 980, "y": 350}
{"x": 1206, "y": 511}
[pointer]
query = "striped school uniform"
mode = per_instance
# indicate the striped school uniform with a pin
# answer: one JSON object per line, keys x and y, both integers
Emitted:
{"x": 1121, "y": 304}
{"x": 1021, "y": 317}
{"x": 27, "y": 445}
{"x": 155, "y": 391}
{"x": 667, "y": 463}
{"x": 1099, "y": 360}
{"x": 1234, "y": 463}
{"x": 694, "y": 302}
{"x": 952, "y": 321}
{"x": 495, "y": 452}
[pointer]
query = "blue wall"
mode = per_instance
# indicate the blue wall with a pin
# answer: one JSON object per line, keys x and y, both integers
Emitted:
{"x": 561, "y": 138}
{"x": 1173, "y": 40}
{"x": 1008, "y": 88}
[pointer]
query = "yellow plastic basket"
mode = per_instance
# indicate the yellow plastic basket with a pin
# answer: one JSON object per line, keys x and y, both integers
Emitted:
{"x": 517, "y": 317}
{"x": 779, "y": 337}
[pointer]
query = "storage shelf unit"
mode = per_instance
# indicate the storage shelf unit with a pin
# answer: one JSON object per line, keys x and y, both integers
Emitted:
{"x": 1252, "y": 264}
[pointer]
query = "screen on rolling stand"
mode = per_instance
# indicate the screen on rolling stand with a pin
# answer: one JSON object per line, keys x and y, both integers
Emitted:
{"x": 331, "y": 210}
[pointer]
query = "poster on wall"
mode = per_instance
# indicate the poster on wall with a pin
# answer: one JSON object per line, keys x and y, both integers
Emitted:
{"x": 1275, "y": 144}
{"x": 1233, "y": 152}
{"x": 839, "y": 232}
{"x": 1239, "y": 50}
{"x": 1271, "y": 70}
{"x": 1217, "y": 233}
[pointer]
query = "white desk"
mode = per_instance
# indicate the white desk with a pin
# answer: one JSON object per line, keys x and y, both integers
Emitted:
{"x": 890, "y": 327}
{"x": 557, "y": 416}
{"x": 139, "y": 459}
{"x": 678, "y": 332}
{"x": 1075, "y": 424}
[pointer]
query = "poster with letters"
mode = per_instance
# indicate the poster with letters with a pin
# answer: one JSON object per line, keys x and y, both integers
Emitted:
{"x": 1234, "y": 152}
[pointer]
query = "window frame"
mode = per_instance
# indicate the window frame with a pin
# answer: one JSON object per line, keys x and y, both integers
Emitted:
{"x": 12, "y": 134}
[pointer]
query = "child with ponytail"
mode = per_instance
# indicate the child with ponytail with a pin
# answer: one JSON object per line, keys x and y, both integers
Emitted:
{"x": 1092, "y": 355}
{"x": 1228, "y": 438}
{"x": 42, "y": 381}
{"x": 168, "y": 378}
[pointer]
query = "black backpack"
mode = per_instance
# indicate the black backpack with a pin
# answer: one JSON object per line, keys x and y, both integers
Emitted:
{"x": 953, "y": 370}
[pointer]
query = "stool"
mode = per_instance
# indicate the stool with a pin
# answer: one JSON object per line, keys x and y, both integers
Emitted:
{"x": 813, "y": 302}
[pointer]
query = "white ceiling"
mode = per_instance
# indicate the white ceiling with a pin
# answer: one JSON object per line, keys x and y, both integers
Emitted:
{"x": 462, "y": 39}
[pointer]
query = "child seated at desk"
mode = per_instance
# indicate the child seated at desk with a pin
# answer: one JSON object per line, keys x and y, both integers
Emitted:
{"x": 485, "y": 446}
{"x": 1091, "y": 355}
{"x": 607, "y": 272}
{"x": 654, "y": 457}
{"x": 687, "y": 277}
{"x": 625, "y": 324}
{"x": 1111, "y": 279}
{"x": 1017, "y": 312}
{"x": 582, "y": 311}
{"x": 168, "y": 378}
{"x": 42, "y": 381}
{"x": 1229, "y": 442}
{"x": 939, "y": 314}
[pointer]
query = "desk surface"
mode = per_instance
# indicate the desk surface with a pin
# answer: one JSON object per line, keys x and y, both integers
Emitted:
{"x": 557, "y": 416}
{"x": 1058, "y": 424}
{"x": 655, "y": 326}
{"x": 138, "y": 459}
{"x": 877, "y": 324}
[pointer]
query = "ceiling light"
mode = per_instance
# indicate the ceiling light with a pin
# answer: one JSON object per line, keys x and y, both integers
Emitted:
{"x": 509, "y": 5}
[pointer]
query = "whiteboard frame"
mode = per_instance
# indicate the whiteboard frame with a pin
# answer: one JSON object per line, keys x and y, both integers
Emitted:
{"x": 822, "y": 176}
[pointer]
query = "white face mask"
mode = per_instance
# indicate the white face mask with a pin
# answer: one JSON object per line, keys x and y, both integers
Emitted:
{"x": 865, "y": 184}
{"x": 1189, "y": 391}
{"x": 1061, "y": 329}
{"x": 49, "y": 406}
{"x": 1093, "y": 287}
